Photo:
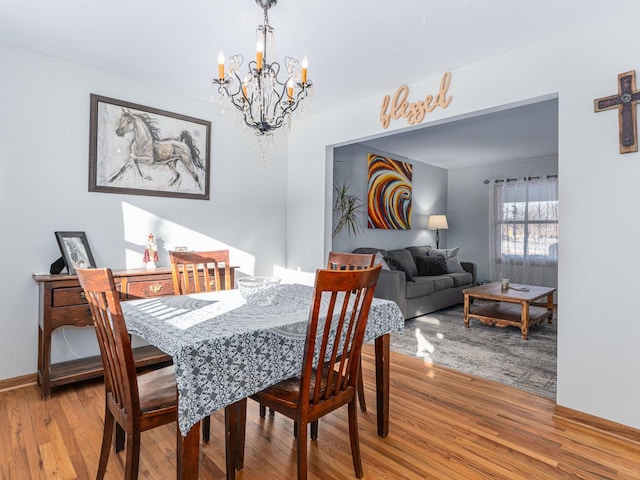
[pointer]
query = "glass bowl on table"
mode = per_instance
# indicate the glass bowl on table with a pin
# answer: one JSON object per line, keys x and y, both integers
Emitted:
{"x": 259, "y": 291}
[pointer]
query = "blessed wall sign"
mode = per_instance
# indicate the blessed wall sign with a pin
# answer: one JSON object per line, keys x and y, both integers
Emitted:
{"x": 414, "y": 112}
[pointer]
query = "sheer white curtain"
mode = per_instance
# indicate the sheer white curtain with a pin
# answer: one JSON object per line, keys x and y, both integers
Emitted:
{"x": 523, "y": 231}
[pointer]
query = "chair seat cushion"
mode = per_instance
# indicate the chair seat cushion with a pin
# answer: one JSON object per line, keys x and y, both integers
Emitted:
{"x": 287, "y": 392}
{"x": 157, "y": 389}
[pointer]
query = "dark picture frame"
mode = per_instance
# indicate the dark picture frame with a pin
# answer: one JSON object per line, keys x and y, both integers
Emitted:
{"x": 140, "y": 150}
{"x": 74, "y": 246}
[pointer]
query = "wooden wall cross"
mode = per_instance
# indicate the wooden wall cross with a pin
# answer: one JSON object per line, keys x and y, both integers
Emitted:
{"x": 625, "y": 101}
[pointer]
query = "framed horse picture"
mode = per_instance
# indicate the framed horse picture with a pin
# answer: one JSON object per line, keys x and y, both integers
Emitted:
{"x": 141, "y": 150}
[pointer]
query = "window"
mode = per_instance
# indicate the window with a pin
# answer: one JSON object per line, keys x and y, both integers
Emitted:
{"x": 524, "y": 230}
{"x": 528, "y": 229}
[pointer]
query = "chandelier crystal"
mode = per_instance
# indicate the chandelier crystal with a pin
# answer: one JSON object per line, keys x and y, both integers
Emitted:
{"x": 263, "y": 101}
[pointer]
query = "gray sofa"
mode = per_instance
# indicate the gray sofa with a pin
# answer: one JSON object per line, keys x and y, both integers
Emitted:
{"x": 418, "y": 294}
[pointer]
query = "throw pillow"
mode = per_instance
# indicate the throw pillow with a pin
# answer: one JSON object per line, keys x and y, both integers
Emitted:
{"x": 380, "y": 260}
{"x": 435, "y": 265}
{"x": 396, "y": 265}
{"x": 406, "y": 259}
{"x": 451, "y": 256}
{"x": 422, "y": 250}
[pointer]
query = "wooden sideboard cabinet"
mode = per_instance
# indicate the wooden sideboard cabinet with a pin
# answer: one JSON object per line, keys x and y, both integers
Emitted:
{"x": 62, "y": 303}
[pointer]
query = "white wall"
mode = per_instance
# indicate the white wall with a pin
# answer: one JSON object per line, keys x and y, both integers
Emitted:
{"x": 43, "y": 188}
{"x": 598, "y": 331}
{"x": 44, "y": 144}
{"x": 429, "y": 196}
{"x": 468, "y": 204}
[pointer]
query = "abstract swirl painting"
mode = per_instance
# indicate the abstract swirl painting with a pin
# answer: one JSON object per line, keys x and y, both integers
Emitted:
{"x": 389, "y": 202}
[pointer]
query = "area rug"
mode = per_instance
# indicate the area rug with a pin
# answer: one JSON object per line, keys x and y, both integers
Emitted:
{"x": 497, "y": 354}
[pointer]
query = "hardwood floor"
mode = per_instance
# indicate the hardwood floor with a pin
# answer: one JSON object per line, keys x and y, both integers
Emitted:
{"x": 444, "y": 425}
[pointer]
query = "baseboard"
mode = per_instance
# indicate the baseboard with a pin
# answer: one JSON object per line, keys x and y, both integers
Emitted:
{"x": 18, "y": 382}
{"x": 565, "y": 414}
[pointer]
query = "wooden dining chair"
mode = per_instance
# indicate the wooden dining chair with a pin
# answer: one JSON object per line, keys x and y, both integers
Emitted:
{"x": 335, "y": 333}
{"x": 350, "y": 261}
{"x": 342, "y": 261}
{"x": 191, "y": 271}
{"x": 133, "y": 402}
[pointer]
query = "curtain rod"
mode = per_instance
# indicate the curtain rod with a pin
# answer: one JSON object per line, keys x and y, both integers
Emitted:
{"x": 502, "y": 180}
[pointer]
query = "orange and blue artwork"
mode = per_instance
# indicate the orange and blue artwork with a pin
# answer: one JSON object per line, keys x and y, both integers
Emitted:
{"x": 389, "y": 200}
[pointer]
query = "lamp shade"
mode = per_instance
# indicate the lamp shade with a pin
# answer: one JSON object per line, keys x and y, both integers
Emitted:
{"x": 437, "y": 222}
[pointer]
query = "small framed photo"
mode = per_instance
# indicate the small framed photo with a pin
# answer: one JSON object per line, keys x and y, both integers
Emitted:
{"x": 74, "y": 246}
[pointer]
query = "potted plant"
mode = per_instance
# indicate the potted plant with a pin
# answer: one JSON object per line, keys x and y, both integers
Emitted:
{"x": 346, "y": 208}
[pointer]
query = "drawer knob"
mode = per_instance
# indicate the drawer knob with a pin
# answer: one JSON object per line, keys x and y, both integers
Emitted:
{"x": 83, "y": 295}
{"x": 155, "y": 288}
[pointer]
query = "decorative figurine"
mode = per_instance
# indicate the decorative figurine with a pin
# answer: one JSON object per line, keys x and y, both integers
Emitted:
{"x": 150, "y": 253}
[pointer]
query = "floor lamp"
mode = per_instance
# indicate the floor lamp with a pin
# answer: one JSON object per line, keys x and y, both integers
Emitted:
{"x": 437, "y": 223}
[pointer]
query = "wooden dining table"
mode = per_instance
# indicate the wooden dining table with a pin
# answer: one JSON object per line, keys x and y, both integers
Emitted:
{"x": 225, "y": 350}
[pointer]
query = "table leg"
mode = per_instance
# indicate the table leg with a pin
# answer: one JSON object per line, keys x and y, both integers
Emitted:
{"x": 550, "y": 308}
{"x": 235, "y": 423}
{"x": 466, "y": 310}
{"x": 40, "y": 370}
{"x": 45, "y": 364}
{"x": 524, "y": 317}
{"x": 382, "y": 383}
{"x": 188, "y": 452}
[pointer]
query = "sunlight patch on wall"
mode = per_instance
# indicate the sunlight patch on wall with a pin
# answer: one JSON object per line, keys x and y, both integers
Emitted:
{"x": 289, "y": 275}
{"x": 139, "y": 223}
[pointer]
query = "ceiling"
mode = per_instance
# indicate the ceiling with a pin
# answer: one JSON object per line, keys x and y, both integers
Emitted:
{"x": 519, "y": 133}
{"x": 356, "y": 48}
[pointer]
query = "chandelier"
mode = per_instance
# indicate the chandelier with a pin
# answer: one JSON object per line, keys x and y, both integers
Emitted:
{"x": 263, "y": 101}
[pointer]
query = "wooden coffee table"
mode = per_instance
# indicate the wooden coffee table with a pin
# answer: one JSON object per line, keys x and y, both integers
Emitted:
{"x": 511, "y": 307}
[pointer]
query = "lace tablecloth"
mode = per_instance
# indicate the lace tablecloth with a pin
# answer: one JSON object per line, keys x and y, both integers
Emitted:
{"x": 225, "y": 350}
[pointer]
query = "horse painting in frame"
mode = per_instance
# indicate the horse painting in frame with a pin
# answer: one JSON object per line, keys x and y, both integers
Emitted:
{"x": 141, "y": 150}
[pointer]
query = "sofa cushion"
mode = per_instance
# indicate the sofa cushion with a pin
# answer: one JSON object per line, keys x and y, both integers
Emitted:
{"x": 431, "y": 265}
{"x": 451, "y": 256}
{"x": 441, "y": 282}
{"x": 420, "y": 287}
{"x": 405, "y": 258}
{"x": 417, "y": 251}
{"x": 368, "y": 250}
{"x": 461, "y": 279}
{"x": 427, "y": 285}
{"x": 380, "y": 260}
{"x": 395, "y": 264}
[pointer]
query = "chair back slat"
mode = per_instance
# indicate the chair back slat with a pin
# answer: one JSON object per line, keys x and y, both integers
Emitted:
{"x": 113, "y": 337}
{"x": 350, "y": 261}
{"x": 186, "y": 268}
{"x": 338, "y": 319}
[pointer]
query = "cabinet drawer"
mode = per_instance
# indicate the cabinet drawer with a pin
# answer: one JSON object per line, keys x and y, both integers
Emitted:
{"x": 63, "y": 297}
{"x": 69, "y": 296}
{"x": 76, "y": 315}
{"x": 154, "y": 288}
